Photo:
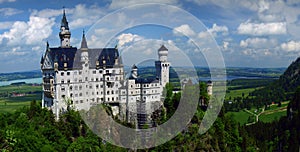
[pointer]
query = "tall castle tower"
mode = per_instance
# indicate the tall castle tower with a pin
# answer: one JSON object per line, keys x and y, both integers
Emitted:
{"x": 162, "y": 66}
{"x": 64, "y": 33}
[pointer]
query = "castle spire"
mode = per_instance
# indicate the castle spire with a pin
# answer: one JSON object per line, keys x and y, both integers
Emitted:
{"x": 64, "y": 34}
{"x": 83, "y": 41}
{"x": 64, "y": 22}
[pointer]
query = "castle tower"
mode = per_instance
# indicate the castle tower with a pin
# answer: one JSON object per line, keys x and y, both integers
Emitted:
{"x": 64, "y": 33}
{"x": 84, "y": 50}
{"x": 162, "y": 66}
{"x": 134, "y": 72}
{"x": 210, "y": 88}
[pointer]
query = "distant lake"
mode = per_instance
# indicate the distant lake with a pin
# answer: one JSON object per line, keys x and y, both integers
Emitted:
{"x": 32, "y": 80}
{"x": 230, "y": 78}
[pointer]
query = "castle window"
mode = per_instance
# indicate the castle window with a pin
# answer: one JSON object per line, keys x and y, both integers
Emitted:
{"x": 94, "y": 72}
{"x": 97, "y": 79}
{"x": 71, "y": 95}
{"x": 62, "y": 81}
{"x": 112, "y": 92}
{"x": 69, "y": 81}
{"x": 62, "y": 73}
{"x": 97, "y": 86}
{"x": 81, "y": 101}
{"x": 101, "y": 99}
{"x": 80, "y": 72}
{"x": 63, "y": 96}
{"x": 87, "y": 93}
{"x": 86, "y": 78}
{"x": 107, "y": 99}
{"x": 71, "y": 88}
{"x": 116, "y": 78}
{"x": 68, "y": 73}
{"x": 107, "y": 92}
{"x": 91, "y": 87}
{"x": 92, "y": 93}
{"x": 107, "y": 71}
{"x": 97, "y": 93}
{"x": 100, "y": 71}
{"x": 92, "y": 79}
{"x": 76, "y": 95}
{"x": 80, "y": 87}
{"x": 76, "y": 87}
{"x": 75, "y": 72}
{"x": 112, "y": 99}
{"x": 62, "y": 88}
{"x": 76, "y": 102}
{"x": 80, "y": 94}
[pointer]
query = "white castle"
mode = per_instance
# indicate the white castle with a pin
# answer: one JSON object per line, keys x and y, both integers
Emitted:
{"x": 81, "y": 78}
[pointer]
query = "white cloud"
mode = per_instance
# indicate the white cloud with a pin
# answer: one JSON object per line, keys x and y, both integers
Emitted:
{"x": 262, "y": 28}
{"x": 83, "y": 16}
{"x": 216, "y": 29}
{"x": 291, "y": 46}
{"x": 184, "y": 29}
{"x": 9, "y": 11}
{"x": 3, "y": 1}
{"x": 6, "y": 25}
{"x": 48, "y": 12}
{"x": 230, "y": 4}
{"x": 115, "y": 4}
{"x": 258, "y": 43}
{"x": 32, "y": 32}
{"x": 225, "y": 45}
{"x": 127, "y": 38}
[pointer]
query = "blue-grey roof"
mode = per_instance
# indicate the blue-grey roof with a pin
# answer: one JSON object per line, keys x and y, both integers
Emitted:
{"x": 72, "y": 57}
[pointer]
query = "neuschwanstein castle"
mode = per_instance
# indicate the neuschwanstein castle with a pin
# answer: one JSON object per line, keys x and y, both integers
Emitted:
{"x": 84, "y": 77}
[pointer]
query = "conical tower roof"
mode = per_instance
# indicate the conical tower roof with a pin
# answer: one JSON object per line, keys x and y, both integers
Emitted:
{"x": 64, "y": 22}
{"x": 83, "y": 42}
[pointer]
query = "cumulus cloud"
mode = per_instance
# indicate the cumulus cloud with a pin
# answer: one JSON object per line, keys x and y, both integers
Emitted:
{"x": 262, "y": 28}
{"x": 214, "y": 30}
{"x": 6, "y": 25}
{"x": 3, "y": 1}
{"x": 291, "y": 46}
{"x": 84, "y": 16}
{"x": 127, "y": 38}
{"x": 46, "y": 13}
{"x": 32, "y": 32}
{"x": 9, "y": 11}
{"x": 218, "y": 29}
{"x": 258, "y": 43}
{"x": 115, "y": 4}
{"x": 184, "y": 29}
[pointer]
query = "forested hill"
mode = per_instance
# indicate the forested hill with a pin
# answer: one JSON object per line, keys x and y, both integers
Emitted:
{"x": 283, "y": 88}
{"x": 290, "y": 80}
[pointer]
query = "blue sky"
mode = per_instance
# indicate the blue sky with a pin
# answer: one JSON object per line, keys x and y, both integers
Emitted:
{"x": 256, "y": 33}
